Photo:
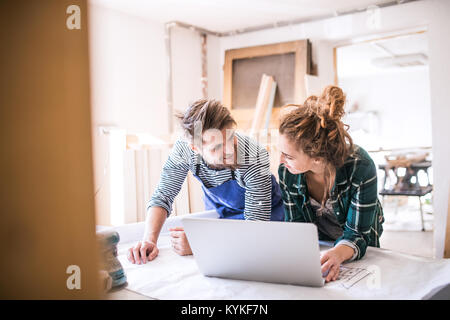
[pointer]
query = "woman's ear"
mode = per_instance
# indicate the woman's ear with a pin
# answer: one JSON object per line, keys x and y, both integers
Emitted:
{"x": 317, "y": 161}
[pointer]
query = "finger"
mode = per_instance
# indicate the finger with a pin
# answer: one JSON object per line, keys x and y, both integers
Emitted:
{"x": 326, "y": 266}
{"x": 331, "y": 274}
{"x": 153, "y": 254}
{"x": 177, "y": 229}
{"x": 136, "y": 255}
{"x": 336, "y": 275}
{"x": 324, "y": 257}
{"x": 130, "y": 255}
{"x": 176, "y": 234}
{"x": 143, "y": 252}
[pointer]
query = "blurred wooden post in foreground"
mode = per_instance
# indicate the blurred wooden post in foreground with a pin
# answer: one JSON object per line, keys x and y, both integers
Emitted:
{"x": 47, "y": 229}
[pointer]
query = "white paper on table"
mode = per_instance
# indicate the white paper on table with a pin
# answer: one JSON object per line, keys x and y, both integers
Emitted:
{"x": 135, "y": 231}
{"x": 391, "y": 275}
{"x": 349, "y": 276}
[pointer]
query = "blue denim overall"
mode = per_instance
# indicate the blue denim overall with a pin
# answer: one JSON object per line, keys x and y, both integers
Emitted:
{"x": 228, "y": 199}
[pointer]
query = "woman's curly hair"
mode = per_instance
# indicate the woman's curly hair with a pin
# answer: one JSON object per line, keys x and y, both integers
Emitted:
{"x": 316, "y": 128}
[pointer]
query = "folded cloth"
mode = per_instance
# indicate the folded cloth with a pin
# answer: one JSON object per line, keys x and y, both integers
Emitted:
{"x": 108, "y": 241}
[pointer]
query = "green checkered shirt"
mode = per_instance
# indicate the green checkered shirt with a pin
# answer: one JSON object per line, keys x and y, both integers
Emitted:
{"x": 354, "y": 198}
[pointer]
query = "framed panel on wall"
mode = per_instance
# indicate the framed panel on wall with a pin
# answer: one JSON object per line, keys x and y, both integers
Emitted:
{"x": 286, "y": 62}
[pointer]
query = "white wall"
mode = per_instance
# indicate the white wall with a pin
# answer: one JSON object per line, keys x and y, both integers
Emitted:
{"x": 186, "y": 67}
{"x": 128, "y": 70}
{"x": 401, "y": 100}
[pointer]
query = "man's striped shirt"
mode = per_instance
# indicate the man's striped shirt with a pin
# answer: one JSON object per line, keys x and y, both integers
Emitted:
{"x": 354, "y": 199}
{"x": 253, "y": 174}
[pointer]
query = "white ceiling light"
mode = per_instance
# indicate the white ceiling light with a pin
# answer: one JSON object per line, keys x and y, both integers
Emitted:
{"x": 407, "y": 60}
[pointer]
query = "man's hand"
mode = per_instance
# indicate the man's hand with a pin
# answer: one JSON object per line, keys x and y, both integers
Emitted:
{"x": 332, "y": 259}
{"x": 180, "y": 243}
{"x": 142, "y": 252}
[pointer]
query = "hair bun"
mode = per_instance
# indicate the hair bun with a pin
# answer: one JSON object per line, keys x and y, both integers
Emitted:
{"x": 334, "y": 97}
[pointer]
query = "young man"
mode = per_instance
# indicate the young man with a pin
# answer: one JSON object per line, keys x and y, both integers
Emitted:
{"x": 234, "y": 172}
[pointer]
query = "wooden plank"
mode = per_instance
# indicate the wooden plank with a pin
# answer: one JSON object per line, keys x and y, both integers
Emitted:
{"x": 261, "y": 103}
{"x": 269, "y": 108}
{"x": 268, "y": 49}
{"x": 227, "y": 81}
{"x": 447, "y": 234}
{"x": 336, "y": 78}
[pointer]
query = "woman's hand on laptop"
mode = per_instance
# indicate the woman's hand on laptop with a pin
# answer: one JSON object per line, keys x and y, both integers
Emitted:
{"x": 180, "y": 243}
{"x": 332, "y": 259}
{"x": 142, "y": 252}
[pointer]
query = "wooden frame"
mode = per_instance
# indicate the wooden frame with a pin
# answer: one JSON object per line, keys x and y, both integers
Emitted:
{"x": 302, "y": 51}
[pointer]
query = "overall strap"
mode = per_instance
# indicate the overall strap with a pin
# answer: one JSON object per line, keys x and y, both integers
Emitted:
{"x": 197, "y": 169}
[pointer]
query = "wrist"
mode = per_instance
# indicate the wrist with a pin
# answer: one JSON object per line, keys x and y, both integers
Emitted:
{"x": 344, "y": 252}
{"x": 150, "y": 238}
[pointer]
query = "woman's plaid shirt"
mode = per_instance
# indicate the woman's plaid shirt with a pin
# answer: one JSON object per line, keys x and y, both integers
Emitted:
{"x": 354, "y": 198}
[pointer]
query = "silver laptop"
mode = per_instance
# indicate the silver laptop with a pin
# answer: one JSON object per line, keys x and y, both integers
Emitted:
{"x": 278, "y": 252}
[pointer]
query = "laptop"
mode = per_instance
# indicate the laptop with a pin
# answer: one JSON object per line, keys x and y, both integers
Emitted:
{"x": 266, "y": 251}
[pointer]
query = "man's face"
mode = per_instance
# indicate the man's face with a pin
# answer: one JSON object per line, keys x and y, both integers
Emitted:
{"x": 218, "y": 147}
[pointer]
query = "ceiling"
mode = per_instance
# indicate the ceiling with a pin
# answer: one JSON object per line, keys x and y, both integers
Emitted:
{"x": 228, "y": 15}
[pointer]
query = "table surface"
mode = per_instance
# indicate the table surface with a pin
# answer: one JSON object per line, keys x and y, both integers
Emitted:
{"x": 170, "y": 276}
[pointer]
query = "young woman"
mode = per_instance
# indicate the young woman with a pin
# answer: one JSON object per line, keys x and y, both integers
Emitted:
{"x": 327, "y": 180}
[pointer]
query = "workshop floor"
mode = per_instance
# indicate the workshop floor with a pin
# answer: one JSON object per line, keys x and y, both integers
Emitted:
{"x": 402, "y": 226}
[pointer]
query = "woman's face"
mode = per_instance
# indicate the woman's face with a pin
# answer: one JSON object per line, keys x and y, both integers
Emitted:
{"x": 295, "y": 160}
